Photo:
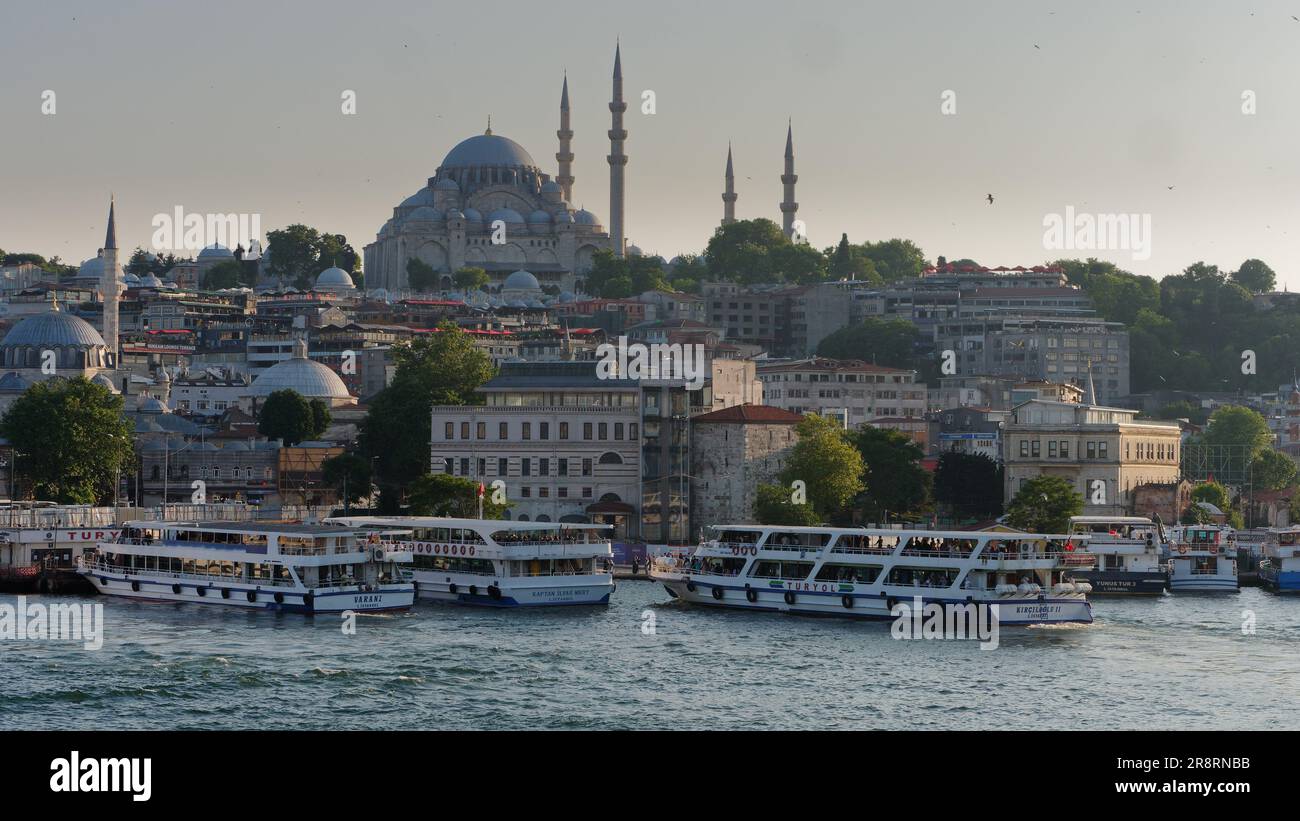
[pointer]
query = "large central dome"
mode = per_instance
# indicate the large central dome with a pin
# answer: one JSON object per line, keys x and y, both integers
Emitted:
{"x": 488, "y": 150}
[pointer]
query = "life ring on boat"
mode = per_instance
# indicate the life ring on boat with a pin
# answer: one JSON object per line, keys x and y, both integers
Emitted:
{"x": 135, "y": 587}
{"x": 789, "y": 597}
{"x": 279, "y": 597}
{"x": 690, "y": 586}
{"x": 176, "y": 588}
{"x": 718, "y": 593}
{"x": 225, "y": 592}
{"x": 252, "y": 595}
{"x": 847, "y": 601}
{"x": 494, "y": 592}
{"x": 751, "y": 595}
{"x": 473, "y": 589}
{"x": 451, "y": 588}
{"x": 1182, "y": 548}
{"x": 202, "y": 591}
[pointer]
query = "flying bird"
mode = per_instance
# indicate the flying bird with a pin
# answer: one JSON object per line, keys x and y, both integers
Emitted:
{"x": 1170, "y": 187}
{"x": 990, "y": 199}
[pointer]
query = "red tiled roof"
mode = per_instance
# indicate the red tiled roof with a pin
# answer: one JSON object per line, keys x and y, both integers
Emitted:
{"x": 750, "y": 415}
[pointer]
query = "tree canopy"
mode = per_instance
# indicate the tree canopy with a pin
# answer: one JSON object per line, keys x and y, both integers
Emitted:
{"x": 896, "y": 484}
{"x": 969, "y": 485}
{"x": 1044, "y": 505}
{"x": 287, "y": 415}
{"x": 828, "y": 464}
{"x": 437, "y": 494}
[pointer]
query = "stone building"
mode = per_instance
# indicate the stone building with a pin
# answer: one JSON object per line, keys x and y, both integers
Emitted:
{"x": 733, "y": 451}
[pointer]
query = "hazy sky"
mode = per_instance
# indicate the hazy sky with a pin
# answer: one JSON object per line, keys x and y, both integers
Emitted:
{"x": 235, "y": 107}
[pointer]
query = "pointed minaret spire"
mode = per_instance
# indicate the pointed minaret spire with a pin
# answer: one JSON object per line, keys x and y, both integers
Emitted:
{"x": 109, "y": 283}
{"x": 110, "y": 239}
{"x": 489, "y": 128}
{"x": 729, "y": 194}
{"x": 565, "y": 155}
{"x": 788, "y": 206}
{"x": 617, "y": 159}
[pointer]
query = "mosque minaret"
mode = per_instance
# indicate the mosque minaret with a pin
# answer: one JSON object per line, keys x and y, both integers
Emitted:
{"x": 729, "y": 195}
{"x": 565, "y": 155}
{"x": 788, "y": 205}
{"x": 617, "y": 159}
{"x": 110, "y": 284}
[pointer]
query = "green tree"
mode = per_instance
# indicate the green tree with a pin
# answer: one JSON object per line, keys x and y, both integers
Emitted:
{"x": 895, "y": 259}
{"x": 437, "y": 494}
{"x": 471, "y": 279}
{"x": 773, "y": 505}
{"x": 969, "y": 484}
{"x": 441, "y": 368}
{"x": 827, "y": 463}
{"x": 320, "y": 417}
{"x": 1116, "y": 294}
{"x": 71, "y": 438}
{"x": 334, "y": 250}
{"x": 295, "y": 254}
{"x": 896, "y": 483}
{"x": 1255, "y": 276}
{"x": 1243, "y": 432}
{"x": 286, "y": 415}
{"x": 228, "y": 274}
{"x": 1044, "y": 504}
{"x": 420, "y": 275}
{"x": 349, "y": 472}
{"x": 1213, "y": 493}
{"x": 888, "y": 342}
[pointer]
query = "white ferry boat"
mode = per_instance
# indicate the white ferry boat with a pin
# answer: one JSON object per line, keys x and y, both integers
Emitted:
{"x": 501, "y": 563}
{"x": 865, "y": 572}
{"x": 1203, "y": 558}
{"x": 309, "y": 568}
{"x": 1128, "y": 551}
{"x": 1280, "y": 569}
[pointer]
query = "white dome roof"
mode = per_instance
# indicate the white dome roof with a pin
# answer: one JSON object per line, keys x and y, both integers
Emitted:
{"x": 422, "y": 197}
{"x": 505, "y": 215}
{"x": 334, "y": 277}
{"x": 585, "y": 217}
{"x": 53, "y": 329}
{"x": 309, "y": 379}
{"x": 521, "y": 281}
{"x": 216, "y": 251}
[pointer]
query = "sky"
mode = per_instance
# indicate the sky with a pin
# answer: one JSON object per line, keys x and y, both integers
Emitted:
{"x": 1105, "y": 108}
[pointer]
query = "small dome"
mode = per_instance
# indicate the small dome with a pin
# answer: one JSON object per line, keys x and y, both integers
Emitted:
{"x": 585, "y": 217}
{"x": 93, "y": 267}
{"x": 634, "y": 251}
{"x": 150, "y": 281}
{"x": 334, "y": 278}
{"x": 424, "y": 213}
{"x": 521, "y": 281}
{"x": 131, "y": 279}
{"x": 446, "y": 184}
{"x": 150, "y": 405}
{"x": 15, "y": 383}
{"x": 422, "y": 197}
{"x": 473, "y": 215}
{"x": 507, "y": 215}
{"x": 53, "y": 329}
{"x": 552, "y": 187}
{"x": 564, "y": 218}
{"x": 309, "y": 379}
{"x": 215, "y": 252}
{"x": 539, "y": 216}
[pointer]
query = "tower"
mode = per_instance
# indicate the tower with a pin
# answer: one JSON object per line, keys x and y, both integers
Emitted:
{"x": 729, "y": 195}
{"x": 109, "y": 284}
{"x": 617, "y": 159}
{"x": 565, "y": 155}
{"x": 788, "y": 206}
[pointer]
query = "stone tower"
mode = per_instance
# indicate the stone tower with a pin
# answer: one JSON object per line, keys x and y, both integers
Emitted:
{"x": 565, "y": 155}
{"x": 109, "y": 284}
{"x": 788, "y": 206}
{"x": 729, "y": 194}
{"x": 617, "y": 159}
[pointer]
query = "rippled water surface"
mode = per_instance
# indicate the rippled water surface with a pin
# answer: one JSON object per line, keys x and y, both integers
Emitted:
{"x": 1171, "y": 662}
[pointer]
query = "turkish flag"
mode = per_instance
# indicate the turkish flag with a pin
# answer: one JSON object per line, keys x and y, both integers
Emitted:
{"x": 480, "y": 490}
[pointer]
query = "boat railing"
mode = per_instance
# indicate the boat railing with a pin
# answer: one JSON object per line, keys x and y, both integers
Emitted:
{"x": 922, "y": 552}
{"x": 148, "y": 542}
{"x": 873, "y": 551}
{"x": 597, "y": 572}
{"x": 214, "y": 578}
{"x": 791, "y": 548}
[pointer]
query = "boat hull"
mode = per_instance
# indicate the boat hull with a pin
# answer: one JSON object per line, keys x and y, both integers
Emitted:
{"x": 480, "y": 591}
{"x": 878, "y": 605}
{"x": 1285, "y": 581}
{"x": 1213, "y": 584}
{"x": 237, "y": 594}
{"x": 1121, "y": 582}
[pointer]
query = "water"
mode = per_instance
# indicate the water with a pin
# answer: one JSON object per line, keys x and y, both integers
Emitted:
{"x": 1170, "y": 663}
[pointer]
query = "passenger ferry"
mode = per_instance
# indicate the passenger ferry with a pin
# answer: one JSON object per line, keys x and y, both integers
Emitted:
{"x": 501, "y": 563}
{"x": 308, "y": 568}
{"x": 1280, "y": 570}
{"x": 865, "y": 572}
{"x": 1128, "y": 551}
{"x": 1203, "y": 558}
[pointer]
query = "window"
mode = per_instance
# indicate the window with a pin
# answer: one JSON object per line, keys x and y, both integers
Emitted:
{"x": 1092, "y": 450}
{"x": 618, "y": 430}
{"x": 1035, "y": 448}
{"x": 1051, "y": 449}
{"x": 464, "y": 430}
{"x": 1065, "y": 449}
{"x": 527, "y": 430}
{"x": 562, "y": 467}
{"x": 543, "y": 467}
{"x": 562, "y": 492}
{"x": 1101, "y": 449}
{"x": 586, "y": 467}
{"x": 450, "y": 431}
{"x": 586, "y": 493}
{"x": 604, "y": 431}
{"x": 481, "y": 430}
{"x": 1024, "y": 448}
{"x": 503, "y": 466}
{"x": 503, "y": 430}
{"x": 564, "y": 430}
{"x": 544, "y": 430}
{"x": 482, "y": 467}
{"x": 464, "y": 466}
{"x": 586, "y": 430}
{"x": 632, "y": 430}
{"x": 525, "y": 466}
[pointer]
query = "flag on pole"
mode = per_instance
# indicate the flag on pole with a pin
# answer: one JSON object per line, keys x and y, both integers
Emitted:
{"x": 480, "y": 490}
